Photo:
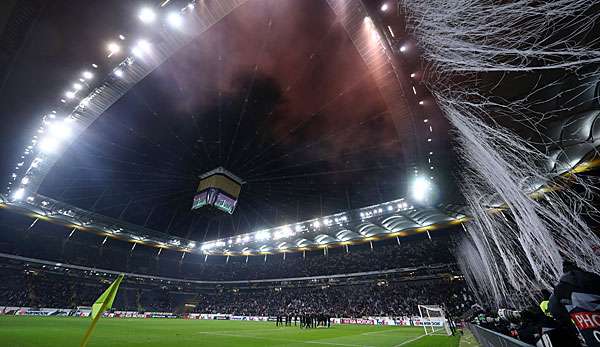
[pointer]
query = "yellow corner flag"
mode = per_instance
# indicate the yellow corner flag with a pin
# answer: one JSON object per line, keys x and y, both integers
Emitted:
{"x": 103, "y": 303}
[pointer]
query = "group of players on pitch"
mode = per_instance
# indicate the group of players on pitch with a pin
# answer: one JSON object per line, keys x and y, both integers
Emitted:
{"x": 306, "y": 320}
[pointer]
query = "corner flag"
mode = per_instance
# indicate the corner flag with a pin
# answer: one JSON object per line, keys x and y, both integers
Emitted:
{"x": 103, "y": 303}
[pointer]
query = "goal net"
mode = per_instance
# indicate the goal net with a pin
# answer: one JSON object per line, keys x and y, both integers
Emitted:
{"x": 433, "y": 320}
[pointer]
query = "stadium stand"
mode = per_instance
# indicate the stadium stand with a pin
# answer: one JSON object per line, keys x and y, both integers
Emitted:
{"x": 32, "y": 284}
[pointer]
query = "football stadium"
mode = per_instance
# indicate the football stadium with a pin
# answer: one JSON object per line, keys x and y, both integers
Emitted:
{"x": 300, "y": 173}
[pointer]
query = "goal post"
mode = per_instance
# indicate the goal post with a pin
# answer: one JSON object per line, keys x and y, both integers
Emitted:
{"x": 434, "y": 320}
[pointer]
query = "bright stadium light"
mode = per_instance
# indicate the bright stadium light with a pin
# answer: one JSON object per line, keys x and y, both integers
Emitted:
{"x": 283, "y": 233}
{"x": 141, "y": 49}
{"x": 262, "y": 235}
{"x": 147, "y": 15}
{"x": 87, "y": 75}
{"x": 175, "y": 20}
{"x": 385, "y": 7}
{"x": 61, "y": 130}
{"x": 49, "y": 145}
{"x": 19, "y": 194}
{"x": 421, "y": 189}
{"x": 70, "y": 94}
{"x": 403, "y": 48}
{"x": 113, "y": 48}
{"x": 119, "y": 73}
{"x": 77, "y": 86}
{"x": 25, "y": 181}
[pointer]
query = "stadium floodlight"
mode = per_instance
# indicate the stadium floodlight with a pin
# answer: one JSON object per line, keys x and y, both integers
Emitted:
{"x": 413, "y": 75}
{"x": 87, "y": 75}
{"x": 262, "y": 235}
{"x": 284, "y": 232}
{"x": 113, "y": 48}
{"x": 390, "y": 208}
{"x": 77, "y": 86}
{"x": 61, "y": 130}
{"x": 298, "y": 228}
{"x": 119, "y": 73}
{"x": 141, "y": 49}
{"x": 30, "y": 199}
{"x": 206, "y": 246}
{"x": 48, "y": 145}
{"x": 384, "y": 7}
{"x": 25, "y": 181}
{"x": 175, "y": 20}
{"x": 421, "y": 189}
{"x": 190, "y": 6}
{"x": 121, "y": 37}
{"x": 18, "y": 194}
{"x": 147, "y": 15}
{"x": 403, "y": 48}
{"x": 421, "y": 102}
{"x": 70, "y": 94}
{"x": 246, "y": 239}
{"x": 316, "y": 224}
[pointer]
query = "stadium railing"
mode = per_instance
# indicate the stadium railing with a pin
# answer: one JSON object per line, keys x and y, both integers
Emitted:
{"x": 490, "y": 338}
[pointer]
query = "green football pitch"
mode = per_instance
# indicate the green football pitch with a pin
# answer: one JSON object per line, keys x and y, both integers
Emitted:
{"x": 22, "y": 331}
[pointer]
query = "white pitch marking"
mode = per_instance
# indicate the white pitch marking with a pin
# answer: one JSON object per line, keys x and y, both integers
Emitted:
{"x": 285, "y": 340}
{"x": 409, "y": 341}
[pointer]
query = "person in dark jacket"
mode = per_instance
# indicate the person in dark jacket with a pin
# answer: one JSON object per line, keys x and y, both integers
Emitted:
{"x": 575, "y": 303}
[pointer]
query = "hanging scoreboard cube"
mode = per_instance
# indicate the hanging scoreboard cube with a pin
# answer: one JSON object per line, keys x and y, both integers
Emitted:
{"x": 218, "y": 189}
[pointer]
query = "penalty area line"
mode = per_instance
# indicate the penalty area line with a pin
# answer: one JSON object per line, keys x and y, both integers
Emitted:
{"x": 312, "y": 342}
{"x": 409, "y": 341}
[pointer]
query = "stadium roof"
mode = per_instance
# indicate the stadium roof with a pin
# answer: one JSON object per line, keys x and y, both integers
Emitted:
{"x": 320, "y": 113}
{"x": 310, "y": 129}
{"x": 395, "y": 218}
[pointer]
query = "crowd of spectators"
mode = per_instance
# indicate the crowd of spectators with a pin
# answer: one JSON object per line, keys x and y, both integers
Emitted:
{"x": 26, "y": 286}
{"x": 374, "y": 298}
